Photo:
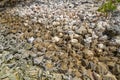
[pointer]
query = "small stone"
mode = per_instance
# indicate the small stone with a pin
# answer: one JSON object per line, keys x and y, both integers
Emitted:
{"x": 25, "y": 24}
{"x": 25, "y": 55}
{"x": 74, "y": 41}
{"x": 49, "y": 65}
{"x": 32, "y": 54}
{"x": 0, "y": 62}
{"x": 64, "y": 66}
{"x": 76, "y": 78}
{"x": 101, "y": 69}
{"x": 31, "y": 39}
{"x": 97, "y": 76}
{"x": 9, "y": 57}
{"x": 109, "y": 77}
{"x": 77, "y": 73}
{"x": 88, "y": 40}
{"x": 38, "y": 60}
{"x": 55, "y": 39}
{"x": 57, "y": 76}
{"x": 28, "y": 46}
{"x": 117, "y": 40}
{"x": 111, "y": 64}
{"x": 117, "y": 68}
{"x": 88, "y": 54}
{"x": 1, "y": 47}
{"x": 81, "y": 30}
{"x": 0, "y": 55}
{"x": 56, "y": 23}
{"x": 101, "y": 46}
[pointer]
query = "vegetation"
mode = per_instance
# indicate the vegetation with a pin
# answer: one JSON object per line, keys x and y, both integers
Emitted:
{"x": 109, "y": 6}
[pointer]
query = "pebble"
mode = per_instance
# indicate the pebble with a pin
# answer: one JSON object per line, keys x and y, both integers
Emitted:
{"x": 88, "y": 54}
{"x": 74, "y": 41}
{"x": 117, "y": 40}
{"x": 109, "y": 77}
{"x": 38, "y": 60}
{"x": 31, "y": 39}
{"x": 84, "y": 38}
{"x": 101, "y": 46}
{"x": 55, "y": 39}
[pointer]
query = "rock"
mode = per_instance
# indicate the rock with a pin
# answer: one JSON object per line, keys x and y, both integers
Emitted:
{"x": 81, "y": 30}
{"x": 31, "y": 39}
{"x": 63, "y": 66}
{"x": 25, "y": 54}
{"x": 86, "y": 77}
{"x": 91, "y": 66}
{"x": 74, "y": 41}
{"x": 57, "y": 76}
{"x": 1, "y": 47}
{"x": 76, "y": 78}
{"x": 1, "y": 56}
{"x": 9, "y": 57}
{"x": 88, "y": 54}
{"x": 101, "y": 69}
{"x": 38, "y": 60}
{"x": 109, "y": 77}
{"x": 49, "y": 65}
{"x": 101, "y": 46}
{"x": 25, "y": 24}
{"x": 17, "y": 56}
{"x": 94, "y": 35}
{"x": 96, "y": 76}
{"x": 55, "y": 39}
{"x": 117, "y": 40}
{"x": 27, "y": 46}
{"x": 88, "y": 40}
{"x": 111, "y": 64}
{"x": 0, "y": 62}
{"x": 77, "y": 73}
{"x": 116, "y": 69}
{"x": 101, "y": 25}
{"x": 32, "y": 54}
{"x": 56, "y": 23}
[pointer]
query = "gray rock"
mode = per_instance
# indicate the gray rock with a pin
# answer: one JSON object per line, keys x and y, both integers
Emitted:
{"x": 1, "y": 47}
{"x": 88, "y": 40}
{"x": 9, "y": 57}
{"x": 101, "y": 46}
{"x": 0, "y": 62}
{"x": 109, "y": 77}
{"x": 38, "y": 60}
{"x": 74, "y": 41}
